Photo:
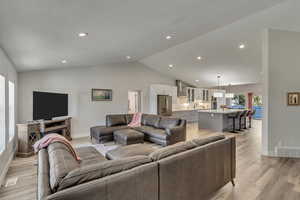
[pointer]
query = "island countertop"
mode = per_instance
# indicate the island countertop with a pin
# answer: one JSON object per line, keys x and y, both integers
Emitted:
{"x": 221, "y": 111}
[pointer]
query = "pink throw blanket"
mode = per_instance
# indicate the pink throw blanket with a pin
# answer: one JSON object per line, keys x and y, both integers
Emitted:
{"x": 51, "y": 138}
{"x": 136, "y": 120}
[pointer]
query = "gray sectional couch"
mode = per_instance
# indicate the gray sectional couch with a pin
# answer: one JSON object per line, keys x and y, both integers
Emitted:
{"x": 187, "y": 170}
{"x": 160, "y": 130}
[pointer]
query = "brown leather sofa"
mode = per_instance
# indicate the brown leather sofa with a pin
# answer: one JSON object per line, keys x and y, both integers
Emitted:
{"x": 160, "y": 130}
{"x": 186, "y": 170}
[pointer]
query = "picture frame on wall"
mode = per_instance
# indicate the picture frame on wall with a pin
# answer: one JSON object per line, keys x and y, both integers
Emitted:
{"x": 293, "y": 98}
{"x": 101, "y": 95}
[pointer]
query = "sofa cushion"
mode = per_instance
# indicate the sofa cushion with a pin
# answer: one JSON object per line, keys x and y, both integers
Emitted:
{"x": 152, "y": 132}
{"x": 89, "y": 155}
{"x": 131, "y": 150}
{"x": 96, "y": 171}
{"x": 204, "y": 141}
{"x": 150, "y": 120}
{"x": 61, "y": 162}
{"x": 171, "y": 150}
{"x": 167, "y": 123}
{"x": 116, "y": 120}
{"x": 129, "y": 118}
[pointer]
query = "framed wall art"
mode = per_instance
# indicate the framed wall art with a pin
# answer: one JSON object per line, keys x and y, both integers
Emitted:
{"x": 293, "y": 98}
{"x": 101, "y": 95}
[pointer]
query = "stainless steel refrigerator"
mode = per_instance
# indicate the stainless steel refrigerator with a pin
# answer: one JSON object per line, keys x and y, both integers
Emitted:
{"x": 164, "y": 105}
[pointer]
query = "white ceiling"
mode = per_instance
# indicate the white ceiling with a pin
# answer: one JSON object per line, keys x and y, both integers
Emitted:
{"x": 38, "y": 34}
{"x": 220, "y": 51}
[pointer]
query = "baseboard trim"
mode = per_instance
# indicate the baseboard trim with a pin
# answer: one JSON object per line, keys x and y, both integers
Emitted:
{"x": 5, "y": 170}
{"x": 288, "y": 151}
{"x": 283, "y": 151}
{"x": 80, "y": 135}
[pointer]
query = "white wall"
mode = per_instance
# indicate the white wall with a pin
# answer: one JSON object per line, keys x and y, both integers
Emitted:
{"x": 78, "y": 82}
{"x": 8, "y": 71}
{"x": 281, "y": 69}
{"x": 255, "y": 88}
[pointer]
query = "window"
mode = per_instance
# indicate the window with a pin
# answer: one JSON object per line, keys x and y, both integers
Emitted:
{"x": 11, "y": 107}
{"x": 2, "y": 113}
{"x": 238, "y": 101}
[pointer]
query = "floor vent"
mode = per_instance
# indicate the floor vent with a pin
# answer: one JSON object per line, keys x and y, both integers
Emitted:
{"x": 11, "y": 181}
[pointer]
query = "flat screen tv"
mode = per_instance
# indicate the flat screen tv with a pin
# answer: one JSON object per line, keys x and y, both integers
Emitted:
{"x": 48, "y": 105}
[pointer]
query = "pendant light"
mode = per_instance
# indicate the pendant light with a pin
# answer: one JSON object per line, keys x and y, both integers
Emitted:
{"x": 228, "y": 94}
{"x": 218, "y": 94}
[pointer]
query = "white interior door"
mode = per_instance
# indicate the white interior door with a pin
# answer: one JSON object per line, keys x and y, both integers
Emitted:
{"x": 134, "y": 101}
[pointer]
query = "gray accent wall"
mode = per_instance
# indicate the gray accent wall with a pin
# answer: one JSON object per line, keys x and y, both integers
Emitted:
{"x": 78, "y": 82}
{"x": 281, "y": 69}
{"x": 7, "y": 70}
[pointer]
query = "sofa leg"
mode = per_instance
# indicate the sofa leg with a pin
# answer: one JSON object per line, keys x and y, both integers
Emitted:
{"x": 232, "y": 182}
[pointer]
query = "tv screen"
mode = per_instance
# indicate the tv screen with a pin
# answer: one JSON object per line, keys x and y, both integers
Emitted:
{"x": 48, "y": 105}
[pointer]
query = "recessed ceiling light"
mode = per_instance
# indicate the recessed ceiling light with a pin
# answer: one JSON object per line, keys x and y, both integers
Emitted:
{"x": 171, "y": 66}
{"x": 128, "y": 57}
{"x": 168, "y": 37}
{"x": 242, "y": 46}
{"x": 199, "y": 58}
{"x": 82, "y": 34}
{"x": 64, "y": 61}
{"x": 197, "y": 80}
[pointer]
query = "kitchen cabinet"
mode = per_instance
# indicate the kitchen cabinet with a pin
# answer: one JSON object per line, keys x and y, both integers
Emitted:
{"x": 203, "y": 94}
{"x": 190, "y": 93}
{"x": 198, "y": 94}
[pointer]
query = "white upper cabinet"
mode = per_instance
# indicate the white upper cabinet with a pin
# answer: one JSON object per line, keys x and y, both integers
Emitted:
{"x": 198, "y": 94}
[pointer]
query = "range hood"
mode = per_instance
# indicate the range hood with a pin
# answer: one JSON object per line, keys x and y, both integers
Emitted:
{"x": 180, "y": 88}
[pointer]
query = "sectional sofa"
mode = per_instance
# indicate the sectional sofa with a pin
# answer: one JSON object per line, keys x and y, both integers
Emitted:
{"x": 160, "y": 130}
{"x": 190, "y": 170}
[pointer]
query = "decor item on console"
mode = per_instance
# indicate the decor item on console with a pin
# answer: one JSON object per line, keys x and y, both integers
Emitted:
{"x": 101, "y": 95}
{"x": 169, "y": 173}
{"x": 157, "y": 129}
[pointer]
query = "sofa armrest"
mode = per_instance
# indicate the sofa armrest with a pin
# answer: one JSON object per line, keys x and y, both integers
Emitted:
{"x": 177, "y": 133}
{"x": 95, "y": 130}
{"x": 43, "y": 188}
{"x": 233, "y": 157}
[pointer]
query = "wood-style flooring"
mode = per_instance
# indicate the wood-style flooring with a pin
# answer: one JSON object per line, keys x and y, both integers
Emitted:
{"x": 258, "y": 177}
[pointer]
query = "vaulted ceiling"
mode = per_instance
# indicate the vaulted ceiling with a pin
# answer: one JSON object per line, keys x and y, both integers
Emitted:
{"x": 40, "y": 34}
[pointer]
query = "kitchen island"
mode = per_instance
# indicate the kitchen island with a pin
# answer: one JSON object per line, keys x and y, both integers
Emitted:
{"x": 190, "y": 115}
{"x": 216, "y": 120}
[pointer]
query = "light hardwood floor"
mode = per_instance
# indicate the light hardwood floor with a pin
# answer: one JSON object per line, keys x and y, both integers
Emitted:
{"x": 258, "y": 177}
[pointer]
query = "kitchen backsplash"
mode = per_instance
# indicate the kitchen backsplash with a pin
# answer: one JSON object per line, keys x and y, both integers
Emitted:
{"x": 183, "y": 104}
